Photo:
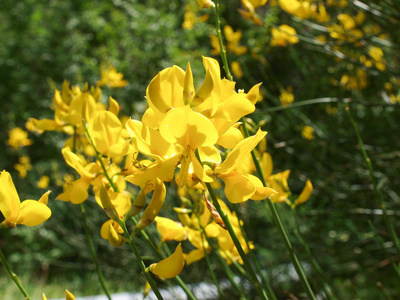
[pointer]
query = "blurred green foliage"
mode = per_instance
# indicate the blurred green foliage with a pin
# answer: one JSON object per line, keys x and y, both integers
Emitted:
{"x": 43, "y": 43}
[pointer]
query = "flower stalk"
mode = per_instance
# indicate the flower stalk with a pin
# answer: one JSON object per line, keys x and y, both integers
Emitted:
{"x": 14, "y": 276}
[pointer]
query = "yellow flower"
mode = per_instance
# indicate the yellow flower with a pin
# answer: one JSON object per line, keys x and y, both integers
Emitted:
{"x": 28, "y": 212}
{"x": 18, "y": 138}
{"x": 105, "y": 130}
{"x": 112, "y": 232}
{"x": 171, "y": 266}
{"x": 300, "y": 9}
{"x": 43, "y": 182}
{"x": 110, "y": 77}
{"x": 68, "y": 296}
{"x": 241, "y": 187}
{"x": 233, "y": 40}
{"x": 76, "y": 191}
{"x": 308, "y": 133}
{"x": 249, "y": 12}
{"x": 286, "y": 96}
{"x": 180, "y": 121}
{"x": 23, "y": 166}
{"x": 170, "y": 230}
{"x": 283, "y": 35}
{"x": 71, "y": 105}
{"x": 305, "y": 194}
{"x": 206, "y": 3}
{"x": 236, "y": 69}
{"x": 190, "y": 18}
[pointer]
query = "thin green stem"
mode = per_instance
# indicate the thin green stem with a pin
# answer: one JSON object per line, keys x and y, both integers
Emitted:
{"x": 379, "y": 197}
{"x": 307, "y": 102}
{"x": 13, "y": 276}
{"x": 237, "y": 244}
{"x": 321, "y": 276}
{"x": 221, "y": 44}
{"x": 89, "y": 236}
{"x": 93, "y": 252}
{"x": 281, "y": 228}
{"x": 230, "y": 275}
{"x": 222, "y": 262}
{"x": 270, "y": 292}
{"x": 140, "y": 261}
{"x": 214, "y": 278}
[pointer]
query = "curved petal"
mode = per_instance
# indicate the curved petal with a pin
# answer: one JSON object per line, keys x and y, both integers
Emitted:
{"x": 33, "y": 213}
{"x": 170, "y": 230}
{"x": 171, "y": 266}
{"x": 305, "y": 194}
{"x": 105, "y": 130}
{"x": 238, "y": 187}
{"x": 241, "y": 150}
{"x": 9, "y": 199}
{"x": 186, "y": 127}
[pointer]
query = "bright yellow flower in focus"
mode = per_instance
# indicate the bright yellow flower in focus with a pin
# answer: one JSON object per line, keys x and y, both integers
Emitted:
{"x": 43, "y": 182}
{"x": 28, "y": 212}
{"x": 283, "y": 35}
{"x": 286, "y": 96}
{"x": 308, "y": 133}
{"x": 241, "y": 187}
{"x": 171, "y": 266}
{"x": 170, "y": 230}
{"x": 110, "y": 77}
{"x": 181, "y": 120}
{"x": 18, "y": 138}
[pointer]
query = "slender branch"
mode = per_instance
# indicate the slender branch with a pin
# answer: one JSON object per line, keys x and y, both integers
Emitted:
{"x": 140, "y": 261}
{"x": 93, "y": 252}
{"x": 379, "y": 197}
{"x": 277, "y": 220}
{"x": 237, "y": 244}
{"x": 13, "y": 276}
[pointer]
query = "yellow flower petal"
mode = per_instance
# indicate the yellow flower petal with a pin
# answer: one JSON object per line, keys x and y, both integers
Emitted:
{"x": 33, "y": 213}
{"x": 305, "y": 194}
{"x": 69, "y": 296}
{"x": 238, "y": 154}
{"x": 171, "y": 266}
{"x": 170, "y": 230}
{"x": 9, "y": 199}
{"x": 186, "y": 127}
{"x": 238, "y": 187}
{"x": 105, "y": 130}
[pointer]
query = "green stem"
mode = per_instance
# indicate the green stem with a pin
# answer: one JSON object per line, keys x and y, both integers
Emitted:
{"x": 321, "y": 276}
{"x": 14, "y": 276}
{"x": 381, "y": 202}
{"x": 270, "y": 292}
{"x": 222, "y": 262}
{"x": 221, "y": 44}
{"x": 277, "y": 220}
{"x": 230, "y": 276}
{"x": 214, "y": 278}
{"x": 140, "y": 261}
{"x": 237, "y": 244}
{"x": 93, "y": 252}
